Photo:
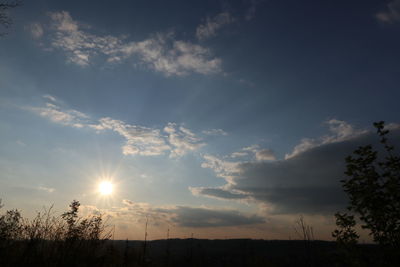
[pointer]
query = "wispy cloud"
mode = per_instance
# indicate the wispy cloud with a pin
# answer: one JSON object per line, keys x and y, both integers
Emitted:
{"x": 182, "y": 140}
{"x": 246, "y": 82}
{"x": 68, "y": 117}
{"x": 251, "y": 11}
{"x": 139, "y": 140}
{"x": 215, "y": 132}
{"x": 36, "y": 30}
{"x": 211, "y": 25}
{"x": 78, "y": 45}
{"x": 391, "y": 14}
{"x": 258, "y": 153}
{"x": 49, "y": 97}
{"x": 239, "y": 154}
{"x": 161, "y": 52}
{"x": 20, "y": 143}
{"x": 46, "y": 189}
{"x": 225, "y": 169}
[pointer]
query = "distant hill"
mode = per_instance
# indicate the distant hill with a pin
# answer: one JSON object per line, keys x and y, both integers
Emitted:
{"x": 237, "y": 252}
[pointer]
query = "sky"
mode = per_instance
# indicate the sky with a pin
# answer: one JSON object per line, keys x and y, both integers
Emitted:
{"x": 221, "y": 119}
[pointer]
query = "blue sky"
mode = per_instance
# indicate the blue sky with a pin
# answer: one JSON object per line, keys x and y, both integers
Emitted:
{"x": 220, "y": 118}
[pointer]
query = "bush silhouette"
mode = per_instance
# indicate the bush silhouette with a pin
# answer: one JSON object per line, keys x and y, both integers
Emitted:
{"x": 10, "y": 225}
{"x": 345, "y": 235}
{"x": 373, "y": 186}
{"x": 48, "y": 240}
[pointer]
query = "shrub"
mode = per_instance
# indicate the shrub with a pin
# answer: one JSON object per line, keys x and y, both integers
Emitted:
{"x": 373, "y": 186}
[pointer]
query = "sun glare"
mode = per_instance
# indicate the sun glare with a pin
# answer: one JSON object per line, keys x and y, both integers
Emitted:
{"x": 106, "y": 188}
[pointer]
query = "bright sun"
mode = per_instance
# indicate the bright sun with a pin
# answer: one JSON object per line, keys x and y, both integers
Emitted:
{"x": 105, "y": 188}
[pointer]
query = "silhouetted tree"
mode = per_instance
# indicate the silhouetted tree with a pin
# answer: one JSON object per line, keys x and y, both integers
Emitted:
{"x": 373, "y": 186}
{"x": 345, "y": 235}
{"x": 347, "y": 239}
{"x": 71, "y": 218}
{"x": 10, "y": 224}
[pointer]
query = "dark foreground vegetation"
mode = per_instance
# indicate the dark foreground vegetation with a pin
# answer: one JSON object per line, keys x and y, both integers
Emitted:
{"x": 245, "y": 252}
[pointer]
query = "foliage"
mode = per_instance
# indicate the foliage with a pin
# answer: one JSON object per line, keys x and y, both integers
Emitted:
{"x": 48, "y": 240}
{"x": 373, "y": 186}
{"x": 10, "y": 224}
{"x": 345, "y": 234}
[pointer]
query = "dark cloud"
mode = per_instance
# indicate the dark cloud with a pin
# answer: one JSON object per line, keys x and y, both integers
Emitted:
{"x": 308, "y": 182}
{"x": 217, "y": 193}
{"x": 202, "y": 217}
{"x": 186, "y": 216}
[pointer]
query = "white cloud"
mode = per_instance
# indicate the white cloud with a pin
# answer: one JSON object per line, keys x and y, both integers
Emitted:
{"x": 223, "y": 168}
{"x": 49, "y": 97}
{"x": 265, "y": 154}
{"x": 391, "y": 14}
{"x": 340, "y": 131}
{"x": 161, "y": 52}
{"x": 79, "y": 45}
{"x": 69, "y": 117}
{"x": 252, "y": 148}
{"x": 64, "y": 22}
{"x": 139, "y": 140}
{"x": 164, "y": 54}
{"x": 182, "y": 140}
{"x": 212, "y": 25}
